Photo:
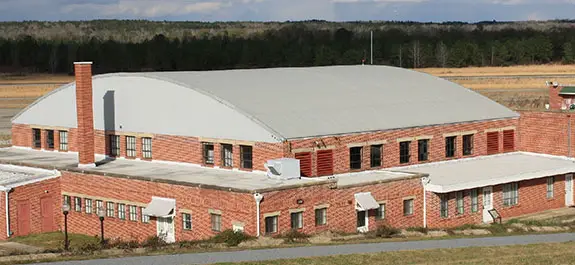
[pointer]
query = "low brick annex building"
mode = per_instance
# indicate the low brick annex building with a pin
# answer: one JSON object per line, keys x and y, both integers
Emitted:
{"x": 186, "y": 155}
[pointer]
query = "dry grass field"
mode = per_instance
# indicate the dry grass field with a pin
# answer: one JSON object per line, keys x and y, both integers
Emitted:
{"x": 36, "y": 78}
{"x": 547, "y": 69}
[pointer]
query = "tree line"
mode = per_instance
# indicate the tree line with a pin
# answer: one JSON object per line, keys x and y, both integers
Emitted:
{"x": 294, "y": 45}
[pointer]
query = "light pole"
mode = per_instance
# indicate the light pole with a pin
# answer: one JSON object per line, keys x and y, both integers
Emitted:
{"x": 66, "y": 210}
{"x": 101, "y": 214}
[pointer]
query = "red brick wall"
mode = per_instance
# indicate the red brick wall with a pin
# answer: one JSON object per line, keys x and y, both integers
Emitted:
{"x": 341, "y": 213}
{"x": 234, "y": 206}
{"x": 546, "y": 132}
{"x": 32, "y": 193}
{"x": 391, "y": 148}
{"x": 532, "y": 199}
{"x": 84, "y": 109}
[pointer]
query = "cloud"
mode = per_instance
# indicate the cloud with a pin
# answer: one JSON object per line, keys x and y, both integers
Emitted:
{"x": 144, "y": 8}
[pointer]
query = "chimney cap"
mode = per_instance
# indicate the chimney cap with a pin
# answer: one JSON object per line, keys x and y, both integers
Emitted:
{"x": 82, "y": 62}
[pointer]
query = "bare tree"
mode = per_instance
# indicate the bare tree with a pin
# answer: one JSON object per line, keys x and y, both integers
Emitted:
{"x": 442, "y": 54}
{"x": 415, "y": 53}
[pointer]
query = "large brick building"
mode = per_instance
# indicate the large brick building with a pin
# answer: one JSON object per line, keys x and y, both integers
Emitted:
{"x": 188, "y": 154}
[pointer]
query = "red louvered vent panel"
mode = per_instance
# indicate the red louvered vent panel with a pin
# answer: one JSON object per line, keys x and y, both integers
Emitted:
{"x": 304, "y": 163}
{"x": 492, "y": 143}
{"x": 509, "y": 141}
{"x": 325, "y": 162}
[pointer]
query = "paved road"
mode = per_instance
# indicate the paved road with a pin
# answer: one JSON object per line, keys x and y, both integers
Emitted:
{"x": 318, "y": 251}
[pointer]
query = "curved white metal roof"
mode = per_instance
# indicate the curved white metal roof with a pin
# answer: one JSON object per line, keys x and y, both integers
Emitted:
{"x": 277, "y": 103}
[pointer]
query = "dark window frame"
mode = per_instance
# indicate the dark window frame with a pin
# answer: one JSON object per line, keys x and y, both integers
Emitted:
{"x": 246, "y": 156}
{"x": 404, "y": 152}
{"x": 444, "y": 205}
{"x": 227, "y": 157}
{"x": 296, "y": 220}
{"x": 133, "y": 213}
{"x": 208, "y": 150}
{"x": 131, "y": 149}
{"x": 147, "y": 147}
{"x": 467, "y": 144}
{"x": 115, "y": 147}
{"x": 409, "y": 210}
{"x": 474, "y": 194}
{"x": 49, "y": 139}
{"x": 321, "y": 216}
{"x": 422, "y": 150}
{"x": 63, "y": 136}
{"x": 88, "y": 206}
{"x": 380, "y": 211}
{"x": 460, "y": 202}
{"x": 121, "y": 211}
{"x": 36, "y": 138}
{"x": 186, "y": 221}
{"x": 271, "y": 224}
{"x": 375, "y": 155}
{"x": 450, "y": 146}
{"x": 355, "y": 157}
{"x": 216, "y": 222}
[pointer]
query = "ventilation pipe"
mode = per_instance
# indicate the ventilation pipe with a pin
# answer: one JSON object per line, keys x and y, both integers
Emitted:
{"x": 258, "y": 197}
{"x": 425, "y": 181}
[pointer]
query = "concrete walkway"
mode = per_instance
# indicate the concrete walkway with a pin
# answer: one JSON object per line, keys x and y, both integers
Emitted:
{"x": 318, "y": 251}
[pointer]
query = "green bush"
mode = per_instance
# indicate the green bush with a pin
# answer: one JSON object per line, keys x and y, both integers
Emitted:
{"x": 230, "y": 237}
{"x": 154, "y": 242}
{"x": 294, "y": 236}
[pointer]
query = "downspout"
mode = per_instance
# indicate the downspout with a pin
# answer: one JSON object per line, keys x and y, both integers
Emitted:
{"x": 424, "y": 181}
{"x": 258, "y": 197}
{"x": 569, "y": 136}
{"x": 8, "y": 232}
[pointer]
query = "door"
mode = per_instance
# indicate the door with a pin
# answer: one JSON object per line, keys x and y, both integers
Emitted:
{"x": 362, "y": 221}
{"x": 165, "y": 228}
{"x": 47, "y": 214}
{"x": 23, "y": 215}
{"x": 569, "y": 190}
{"x": 487, "y": 204}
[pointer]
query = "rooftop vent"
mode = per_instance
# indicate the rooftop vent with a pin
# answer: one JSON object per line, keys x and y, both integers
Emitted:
{"x": 283, "y": 168}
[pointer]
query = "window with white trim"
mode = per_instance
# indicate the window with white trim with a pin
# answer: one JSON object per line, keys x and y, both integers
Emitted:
{"x": 77, "y": 204}
{"x": 271, "y": 224}
{"x": 320, "y": 216}
{"x": 63, "y": 140}
{"x": 459, "y": 202}
{"x": 99, "y": 205}
{"x": 510, "y": 194}
{"x": 408, "y": 207}
{"x": 227, "y": 155}
{"x": 187, "y": 221}
{"x": 67, "y": 200}
{"x": 208, "y": 151}
{"x": 296, "y": 220}
{"x": 130, "y": 146}
{"x": 216, "y": 222}
{"x": 147, "y": 147}
{"x": 474, "y": 200}
{"x": 550, "y": 182}
{"x": 88, "y": 206}
{"x": 121, "y": 211}
{"x": 133, "y": 213}
{"x": 145, "y": 218}
{"x": 380, "y": 212}
{"x": 110, "y": 209}
{"x": 444, "y": 205}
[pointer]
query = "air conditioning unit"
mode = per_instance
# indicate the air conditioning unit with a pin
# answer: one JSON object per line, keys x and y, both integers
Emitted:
{"x": 283, "y": 168}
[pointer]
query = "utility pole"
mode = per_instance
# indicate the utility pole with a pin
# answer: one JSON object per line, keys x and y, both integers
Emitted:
{"x": 371, "y": 61}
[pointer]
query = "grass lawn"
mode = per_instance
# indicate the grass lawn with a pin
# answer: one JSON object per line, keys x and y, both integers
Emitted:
{"x": 54, "y": 240}
{"x": 557, "y": 253}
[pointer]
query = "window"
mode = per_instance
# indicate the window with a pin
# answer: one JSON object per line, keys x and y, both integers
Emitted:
{"x": 67, "y": 200}
{"x": 271, "y": 224}
{"x": 422, "y": 150}
{"x": 145, "y": 218}
{"x": 296, "y": 220}
{"x": 50, "y": 139}
{"x": 77, "y": 204}
{"x": 88, "y": 207}
{"x": 550, "y": 182}
{"x": 459, "y": 202}
{"x": 227, "y": 155}
{"x": 492, "y": 143}
{"x": 444, "y": 206}
{"x": 110, "y": 209}
{"x": 216, "y": 221}
{"x": 355, "y": 157}
{"x": 187, "y": 221}
{"x": 508, "y": 140}
{"x": 404, "y": 152}
{"x": 133, "y": 213}
{"x": 305, "y": 167}
{"x": 380, "y": 212}
{"x": 510, "y": 194}
{"x": 408, "y": 207}
{"x": 63, "y": 141}
{"x": 468, "y": 144}
{"x": 99, "y": 205}
{"x": 130, "y": 146}
{"x": 474, "y": 200}
{"x": 122, "y": 211}
{"x": 208, "y": 153}
{"x": 450, "y": 146}
{"x": 36, "y": 138}
{"x": 114, "y": 145}
{"x": 375, "y": 155}
{"x": 147, "y": 147}
{"x": 246, "y": 156}
{"x": 321, "y": 216}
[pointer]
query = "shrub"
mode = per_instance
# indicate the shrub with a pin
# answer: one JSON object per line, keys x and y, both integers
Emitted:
{"x": 386, "y": 231}
{"x": 88, "y": 248}
{"x": 420, "y": 229}
{"x": 230, "y": 237}
{"x": 128, "y": 244}
{"x": 154, "y": 242}
{"x": 294, "y": 236}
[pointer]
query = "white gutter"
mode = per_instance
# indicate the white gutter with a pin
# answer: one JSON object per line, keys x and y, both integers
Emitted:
{"x": 258, "y": 197}
{"x": 7, "y": 207}
{"x": 425, "y": 181}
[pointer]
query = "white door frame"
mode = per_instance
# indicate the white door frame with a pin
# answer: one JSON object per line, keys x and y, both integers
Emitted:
{"x": 569, "y": 190}
{"x": 487, "y": 204}
{"x": 161, "y": 224}
{"x": 365, "y": 228}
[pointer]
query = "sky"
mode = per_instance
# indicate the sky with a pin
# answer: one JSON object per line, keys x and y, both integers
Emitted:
{"x": 283, "y": 10}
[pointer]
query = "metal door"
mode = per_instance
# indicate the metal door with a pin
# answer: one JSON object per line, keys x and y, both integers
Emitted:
{"x": 23, "y": 218}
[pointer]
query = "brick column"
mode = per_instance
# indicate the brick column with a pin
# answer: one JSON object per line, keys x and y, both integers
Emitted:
{"x": 85, "y": 112}
{"x": 555, "y": 100}
{"x": 217, "y": 154}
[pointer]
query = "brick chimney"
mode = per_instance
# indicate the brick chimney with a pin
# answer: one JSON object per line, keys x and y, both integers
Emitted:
{"x": 85, "y": 112}
{"x": 555, "y": 100}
